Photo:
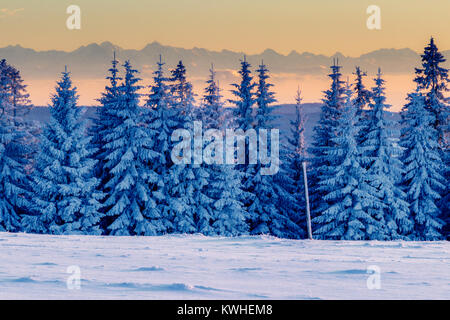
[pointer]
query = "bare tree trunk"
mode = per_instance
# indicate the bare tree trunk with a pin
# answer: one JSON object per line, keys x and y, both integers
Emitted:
{"x": 308, "y": 214}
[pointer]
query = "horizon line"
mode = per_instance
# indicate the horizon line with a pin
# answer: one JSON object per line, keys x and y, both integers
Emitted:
{"x": 155, "y": 42}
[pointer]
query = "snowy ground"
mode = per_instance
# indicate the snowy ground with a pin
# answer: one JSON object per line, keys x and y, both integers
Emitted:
{"x": 198, "y": 267}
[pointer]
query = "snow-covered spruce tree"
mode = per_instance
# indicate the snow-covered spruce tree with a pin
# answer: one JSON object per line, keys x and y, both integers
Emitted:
{"x": 323, "y": 139}
{"x": 244, "y": 101}
{"x": 130, "y": 203}
{"x": 423, "y": 180}
{"x": 18, "y": 106}
{"x": 362, "y": 95}
{"x": 263, "y": 192}
{"x": 432, "y": 79}
{"x": 295, "y": 156}
{"x": 228, "y": 214}
{"x": 243, "y": 119}
{"x": 13, "y": 179}
{"x": 174, "y": 185}
{"x": 65, "y": 199}
{"x": 181, "y": 89}
{"x": 224, "y": 181}
{"x": 264, "y": 99}
{"x": 11, "y": 174}
{"x": 344, "y": 186}
{"x": 384, "y": 169}
{"x": 362, "y": 100}
{"x": 211, "y": 109}
{"x": 266, "y": 212}
{"x": 191, "y": 189}
{"x": 104, "y": 121}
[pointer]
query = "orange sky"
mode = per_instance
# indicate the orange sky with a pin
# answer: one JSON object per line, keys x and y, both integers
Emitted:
{"x": 320, "y": 26}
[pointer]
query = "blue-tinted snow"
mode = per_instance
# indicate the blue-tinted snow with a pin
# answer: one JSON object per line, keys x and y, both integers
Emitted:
{"x": 174, "y": 267}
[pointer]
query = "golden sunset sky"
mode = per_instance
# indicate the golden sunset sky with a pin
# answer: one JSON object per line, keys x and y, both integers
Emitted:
{"x": 317, "y": 26}
{"x": 251, "y": 26}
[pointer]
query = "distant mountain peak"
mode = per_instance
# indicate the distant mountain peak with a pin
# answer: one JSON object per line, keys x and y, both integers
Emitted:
{"x": 16, "y": 46}
{"x": 269, "y": 51}
{"x": 338, "y": 55}
{"x": 108, "y": 44}
{"x": 383, "y": 52}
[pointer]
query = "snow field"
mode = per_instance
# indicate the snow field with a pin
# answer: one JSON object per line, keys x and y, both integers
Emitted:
{"x": 199, "y": 267}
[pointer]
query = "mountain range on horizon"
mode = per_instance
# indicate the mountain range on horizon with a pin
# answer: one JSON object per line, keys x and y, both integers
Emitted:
{"x": 91, "y": 61}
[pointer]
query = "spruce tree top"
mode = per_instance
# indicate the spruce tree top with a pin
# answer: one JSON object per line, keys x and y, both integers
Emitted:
{"x": 432, "y": 76}
{"x": 64, "y": 101}
{"x": 245, "y": 97}
{"x": 13, "y": 84}
{"x": 264, "y": 97}
{"x": 111, "y": 89}
{"x": 159, "y": 91}
{"x": 212, "y": 107}
{"x": 211, "y": 93}
{"x": 362, "y": 98}
{"x": 298, "y": 127}
{"x": 129, "y": 87}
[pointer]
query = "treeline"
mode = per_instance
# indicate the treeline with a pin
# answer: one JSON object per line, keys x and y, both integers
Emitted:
{"x": 117, "y": 176}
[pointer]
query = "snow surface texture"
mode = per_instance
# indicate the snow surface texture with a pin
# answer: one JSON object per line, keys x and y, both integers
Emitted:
{"x": 199, "y": 267}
